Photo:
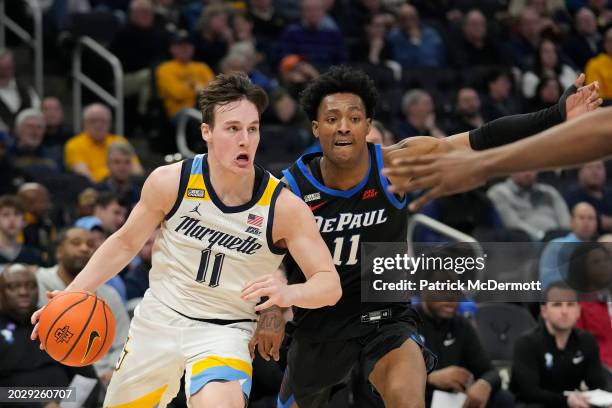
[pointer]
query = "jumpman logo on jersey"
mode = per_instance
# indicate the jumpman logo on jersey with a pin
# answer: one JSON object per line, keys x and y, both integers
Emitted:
{"x": 195, "y": 209}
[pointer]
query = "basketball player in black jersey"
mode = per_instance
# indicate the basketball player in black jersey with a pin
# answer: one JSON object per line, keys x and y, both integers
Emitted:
{"x": 349, "y": 197}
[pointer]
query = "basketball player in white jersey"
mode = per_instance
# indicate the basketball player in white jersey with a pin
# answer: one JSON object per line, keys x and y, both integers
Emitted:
{"x": 225, "y": 226}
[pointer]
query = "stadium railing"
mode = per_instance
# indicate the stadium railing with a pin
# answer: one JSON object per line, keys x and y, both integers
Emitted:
{"x": 80, "y": 79}
{"x": 34, "y": 40}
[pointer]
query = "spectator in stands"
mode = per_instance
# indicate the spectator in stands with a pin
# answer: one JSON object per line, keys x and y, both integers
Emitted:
{"x": 316, "y": 37}
{"x": 590, "y": 271}
{"x": 137, "y": 278}
{"x": 14, "y": 95}
{"x": 74, "y": 248}
{"x": 419, "y": 116}
{"x": 40, "y": 231}
{"x": 545, "y": 8}
{"x": 599, "y": 68}
{"x": 24, "y": 364}
{"x": 499, "y": 100}
{"x": 295, "y": 74}
{"x": 109, "y": 211}
{"x": 584, "y": 42}
{"x": 242, "y": 28}
{"x": 86, "y": 152}
{"x": 286, "y": 112}
{"x": 139, "y": 45}
{"x": 414, "y": 44}
{"x": 372, "y": 46}
{"x": 524, "y": 204}
{"x": 12, "y": 176}
{"x": 595, "y": 316}
{"x": 603, "y": 12}
{"x": 375, "y": 136}
{"x": 361, "y": 14}
{"x": 547, "y": 93}
{"x": 86, "y": 202}
{"x": 168, "y": 11}
{"x": 524, "y": 44}
{"x": 268, "y": 24}
{"x": 28, "y": 151}
{"x": 547, "y": 64}
{"x": 57, "y": 131}
{"x": 180, "y": 79}
{"x": 243, "y": 57}
{"x": 213, "y": 35}
{"x": 475, "y": 47}
{"x": 12, "y": 223}
{"x": 379, "y": 134}
{"x": 463, "y": 365}
{"x": 467, "y": 114}
{"x": 555, "y": 258}
{"x": 264, "y": 51}
{"x": 591, "y": 188}
{"x": 556, "y": 357}
{"x": 120, "y": 180}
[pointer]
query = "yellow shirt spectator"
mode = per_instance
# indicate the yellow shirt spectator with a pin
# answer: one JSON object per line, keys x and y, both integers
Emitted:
{"x": 600, "y": 69}
{"x": 82, "y": 149}
{"x": 178, "y": 84}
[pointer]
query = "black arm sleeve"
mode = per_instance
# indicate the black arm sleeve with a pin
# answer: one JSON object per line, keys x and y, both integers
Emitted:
{"x": 516, "y": 127}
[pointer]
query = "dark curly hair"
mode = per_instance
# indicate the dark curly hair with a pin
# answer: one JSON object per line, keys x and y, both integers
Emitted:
{"x": 339, "y": 79}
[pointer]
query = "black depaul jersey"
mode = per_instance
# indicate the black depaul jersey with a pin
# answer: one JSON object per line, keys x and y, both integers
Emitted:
{"x": 346, "y": 219}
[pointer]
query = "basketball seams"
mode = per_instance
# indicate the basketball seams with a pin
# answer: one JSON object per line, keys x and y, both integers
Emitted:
{"x": 105, "y": 332}
{"x": 82, "y": 330}
{"x": 62, "y": 314}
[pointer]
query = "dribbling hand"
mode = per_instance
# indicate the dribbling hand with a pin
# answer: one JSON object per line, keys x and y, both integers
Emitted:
{"x": 36, "y": 315}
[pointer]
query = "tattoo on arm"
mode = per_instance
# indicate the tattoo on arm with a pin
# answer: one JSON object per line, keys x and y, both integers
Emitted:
{"x": 272, "y": 320}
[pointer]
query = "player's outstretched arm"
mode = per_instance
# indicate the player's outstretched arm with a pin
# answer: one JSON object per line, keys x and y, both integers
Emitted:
{"x": 157, "y": 198}
{"x": 577, "y": 100}
{"x": 584, "y": 139}
{"x": 295, "y": 228}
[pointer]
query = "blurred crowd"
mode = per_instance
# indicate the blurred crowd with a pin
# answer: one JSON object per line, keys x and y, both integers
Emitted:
{"x": 441, "y": 67}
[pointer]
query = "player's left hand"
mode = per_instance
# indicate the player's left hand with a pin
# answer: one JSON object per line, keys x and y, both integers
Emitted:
{"x": 584, "y": 100}
{"x": 269, "y": 334}
{"x": 478, "y": 395}
{"x": 274, "y": 287}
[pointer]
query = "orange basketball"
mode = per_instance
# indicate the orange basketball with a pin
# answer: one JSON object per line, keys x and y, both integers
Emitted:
{"x": 76, "y": 328}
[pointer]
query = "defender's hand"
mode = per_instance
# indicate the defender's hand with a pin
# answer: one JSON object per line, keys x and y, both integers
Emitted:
{"x": 269, "y": 334}
{"x": 584, "y": 100}
{"x": 441, "y": 175}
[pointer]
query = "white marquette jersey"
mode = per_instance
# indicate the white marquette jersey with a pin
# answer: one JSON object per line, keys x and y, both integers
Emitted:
{"x": 207, "y": 251}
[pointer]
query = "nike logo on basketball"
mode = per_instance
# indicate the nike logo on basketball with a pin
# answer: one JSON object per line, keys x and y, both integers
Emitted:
{"x": 92, "y": 337}
{"x": 313, "y": 208}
